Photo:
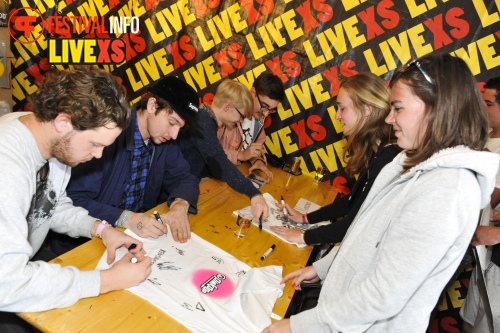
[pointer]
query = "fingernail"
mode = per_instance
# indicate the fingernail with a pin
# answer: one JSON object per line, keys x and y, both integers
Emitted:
{"x": 293, "y": 284}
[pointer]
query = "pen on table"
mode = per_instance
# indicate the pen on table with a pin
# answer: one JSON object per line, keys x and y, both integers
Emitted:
{"x": 269, "y": 250}
{"x": 285, "y": 213}
{"x": 131, "y": 247}
{"x": 260, "y": 221}
{"x": 158, "y": 217}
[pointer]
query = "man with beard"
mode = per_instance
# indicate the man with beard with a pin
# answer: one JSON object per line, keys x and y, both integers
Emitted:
{"x": 75, "y": 115}
{"x": 143, "y": 168}
{"x": 203, "y": 151}
{"x": 245, "y": 142}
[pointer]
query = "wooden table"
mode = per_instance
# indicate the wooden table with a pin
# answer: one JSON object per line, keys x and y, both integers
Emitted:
{"x": 122, "y": 311}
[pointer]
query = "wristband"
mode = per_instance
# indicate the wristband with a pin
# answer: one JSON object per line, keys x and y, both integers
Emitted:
{"x": 121, "y": 222}
{"x": 304, "y": 219}
{"x": 100, "y": 227}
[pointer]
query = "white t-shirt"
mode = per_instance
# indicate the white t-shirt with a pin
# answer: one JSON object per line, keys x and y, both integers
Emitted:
{"x": 205, "y": 288}
{"x": 248, "y": 127}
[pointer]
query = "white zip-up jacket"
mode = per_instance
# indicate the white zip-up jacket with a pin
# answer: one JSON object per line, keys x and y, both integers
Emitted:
{"x": 403, "y": 246}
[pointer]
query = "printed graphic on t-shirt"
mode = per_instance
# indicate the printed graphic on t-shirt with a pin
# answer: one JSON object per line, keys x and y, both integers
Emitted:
{"x": 213, "y": 283}
{"x": 43, "y": 202}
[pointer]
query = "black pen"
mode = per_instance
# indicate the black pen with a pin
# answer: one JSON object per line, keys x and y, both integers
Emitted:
{"x": 269, "y": 250}
{"x": 158, "y": 217}
{"x": 260, "y": 221}
{"x": 131, "y": 247}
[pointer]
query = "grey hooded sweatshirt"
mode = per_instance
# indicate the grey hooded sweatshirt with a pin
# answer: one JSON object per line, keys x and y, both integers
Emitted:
{"x": 403, "y": 246}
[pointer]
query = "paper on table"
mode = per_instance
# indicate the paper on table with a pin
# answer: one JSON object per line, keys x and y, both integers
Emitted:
{"x": 276, "y": 217}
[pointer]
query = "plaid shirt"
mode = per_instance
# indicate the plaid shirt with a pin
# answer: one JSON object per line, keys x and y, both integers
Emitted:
{"x": 133, "y": 195}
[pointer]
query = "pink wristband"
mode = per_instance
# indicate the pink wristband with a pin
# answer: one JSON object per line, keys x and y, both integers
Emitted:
{"x": 103, "y": 225}
{"x": 304, "y": 220}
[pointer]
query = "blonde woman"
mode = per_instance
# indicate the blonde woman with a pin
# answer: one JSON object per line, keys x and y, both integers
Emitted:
{"x": 363, "y": 104}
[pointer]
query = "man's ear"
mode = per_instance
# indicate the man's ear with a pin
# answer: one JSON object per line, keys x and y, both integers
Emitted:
{"x": 62, "y": 123}
{"x": 151, "y": 106}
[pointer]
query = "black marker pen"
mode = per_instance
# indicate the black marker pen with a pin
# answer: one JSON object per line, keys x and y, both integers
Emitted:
{"x": 131, "y": 247}
{"x": 269, "y": 250}
{"x": 158, "y": 217}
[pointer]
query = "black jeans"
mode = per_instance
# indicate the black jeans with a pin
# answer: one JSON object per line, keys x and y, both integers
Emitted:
{"x": 11, "y": 323}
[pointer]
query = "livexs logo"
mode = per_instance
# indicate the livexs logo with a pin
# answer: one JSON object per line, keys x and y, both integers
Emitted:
{"x": 26, "y": 25}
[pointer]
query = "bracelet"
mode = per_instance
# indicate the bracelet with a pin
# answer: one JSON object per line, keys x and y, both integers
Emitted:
{"x": 103, "y": 225}
{"x": 121, "y": 222}
{"x": 304, "y": 218}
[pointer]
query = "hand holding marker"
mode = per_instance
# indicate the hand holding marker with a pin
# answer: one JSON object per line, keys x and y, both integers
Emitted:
{"x": 285, "y": 213}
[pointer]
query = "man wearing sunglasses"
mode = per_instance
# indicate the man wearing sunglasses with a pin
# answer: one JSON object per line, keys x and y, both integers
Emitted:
{"x": 245, "y": 142}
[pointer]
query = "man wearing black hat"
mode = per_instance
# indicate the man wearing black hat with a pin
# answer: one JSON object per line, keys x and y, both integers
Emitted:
{"x": 144, "y": 168}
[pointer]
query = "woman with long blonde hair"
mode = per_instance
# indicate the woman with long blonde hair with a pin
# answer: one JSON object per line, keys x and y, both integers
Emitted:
{"x": 363, "y": 104}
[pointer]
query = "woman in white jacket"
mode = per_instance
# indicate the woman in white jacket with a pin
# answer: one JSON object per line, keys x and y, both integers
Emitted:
{"x": 419, "y": 217}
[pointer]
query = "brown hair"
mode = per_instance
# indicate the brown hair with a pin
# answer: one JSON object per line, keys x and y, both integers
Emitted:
{"x": 366, "y": 89}
{"x": 454, "y": 109}
{"x": 160, "y": 103}
{"x": 90, "y": 96}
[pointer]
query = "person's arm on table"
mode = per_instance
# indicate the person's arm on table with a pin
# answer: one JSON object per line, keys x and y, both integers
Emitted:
{"x": 178, "y": 220}
{"x": 260, "y": 162}
{"x": 260, "y": 165}
{"x": 221, "y": 168}
{"x": 123, "y": 274}
{"x": 178, "y": 182}
{"x": 306, "y": 275}
{"x": 292, "y": 235}
{"x": 142, "y": 224}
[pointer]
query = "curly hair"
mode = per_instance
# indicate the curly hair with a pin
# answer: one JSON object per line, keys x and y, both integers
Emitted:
{"x": 90, "y": 96}
{"x": 454, "y": 109}
{"x": 366, "y": 90}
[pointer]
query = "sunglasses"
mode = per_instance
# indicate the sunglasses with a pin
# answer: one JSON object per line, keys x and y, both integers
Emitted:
{"x": 416, "y": 63}
{"x": 264, "y": 107}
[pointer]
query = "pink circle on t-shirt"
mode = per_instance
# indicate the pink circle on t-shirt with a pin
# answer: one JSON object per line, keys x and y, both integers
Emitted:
{"x": 212, "y": 283}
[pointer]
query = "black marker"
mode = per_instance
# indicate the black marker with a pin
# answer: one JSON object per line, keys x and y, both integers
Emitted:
{"x": 131, "y": 247}
{"x": 260, "y": 222}
{"x": 158, "y": 217}
{"x": 269, "y": 250}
